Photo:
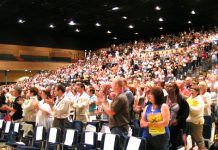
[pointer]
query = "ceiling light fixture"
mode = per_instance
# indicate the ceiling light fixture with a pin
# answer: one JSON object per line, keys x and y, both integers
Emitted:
{"x": 124, "y": 17}
{"x": 115, "y": 8}
{"x": 97, "y": 24}
{"x": 160, "y": 20}
{"x": 189, "y": 22}
{"x": 51, "y": 26}
{"x": 157, "y": 8}
{"x": 136, "y": 33}
{"x": 109, "y": 32}
{"x": 77, "y": 30}
{"x": 130, "y": 26}
{"x": 115, "y": 38}
{"x": 72, "y": 23}
{"x": 193, "y": 12}
{"x": 21, "y": 21}
{"x": 161, "y": 28}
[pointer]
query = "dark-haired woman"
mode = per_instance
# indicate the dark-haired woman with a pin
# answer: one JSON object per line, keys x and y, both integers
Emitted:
{"x": 195, "y": 118}
{"x": 155, "y": 120}
{"x": 44, "y": 117}
{"x": 179, "y": 111}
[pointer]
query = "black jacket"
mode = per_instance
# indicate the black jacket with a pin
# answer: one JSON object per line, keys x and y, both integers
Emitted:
{"x": 182, "y": 113}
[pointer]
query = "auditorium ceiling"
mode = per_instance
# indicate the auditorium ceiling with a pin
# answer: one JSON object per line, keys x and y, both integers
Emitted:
{"x": 99, "y": 23}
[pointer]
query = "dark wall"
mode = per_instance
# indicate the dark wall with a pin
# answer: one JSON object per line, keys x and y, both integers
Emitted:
{"x": 53, "y": 39}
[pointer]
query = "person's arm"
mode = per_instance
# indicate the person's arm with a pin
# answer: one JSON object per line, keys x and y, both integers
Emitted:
{"x": 62, "y": 108}
{"x": 83, "y": 103}
{"x": 107, "y": 110}
{"x": 165, "y": 112}
{"x": 143, "y": 122}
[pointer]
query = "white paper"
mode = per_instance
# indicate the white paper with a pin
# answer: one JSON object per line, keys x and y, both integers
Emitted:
{"x": 39, "y": 132}
{"x": 69, "y": 137}
{"x": 109, "y": 142}
{"x": 8, "y": 125}
{"x": 189, "y": 142}
{"x": 105, "y": 129}
{"x": 20, "y": 143}
{"x": 89, "y": 138}
{"x": 133, "y": 143}
{"x": 1, "y": 123}
{"x": 16, "y": 127}
{"x": 52, "y": 135}
{"x": 91, "y": 118}
{"x": 100, "y": 136}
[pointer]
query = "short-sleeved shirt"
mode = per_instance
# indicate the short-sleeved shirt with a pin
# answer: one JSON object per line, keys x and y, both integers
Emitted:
{"x": 19, "y": 111}
{"x": 120, "y": 106}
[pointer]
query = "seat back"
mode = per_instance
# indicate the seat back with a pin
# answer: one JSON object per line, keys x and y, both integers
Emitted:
{"x": 39, "y": 136}
{"x": 88, "y": 141}
{"x": 53, "y": 138}
{"x": 8, "y": 127}
{"x": 110, "y": 141}
{"x": 70, "y": 137}
{"x": 135, "y": 143}
{"x": 2, "y": 124}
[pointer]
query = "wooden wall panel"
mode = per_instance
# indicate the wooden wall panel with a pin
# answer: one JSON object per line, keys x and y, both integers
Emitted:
{"x": 14, "y": 76}
{"x": 20, "y": 65}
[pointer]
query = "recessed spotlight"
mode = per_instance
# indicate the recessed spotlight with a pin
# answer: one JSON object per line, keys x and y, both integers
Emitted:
{"x": 8, "y": 70}
{"x": 51, "y": 26}
{"x": 30, "y": 71}
{"x": 115, "y": 8}
{"x": 124, "y": 17}
{"x": 130, "y": 26}
{"x": 97, "y": 24}
{"x": 115, "y": 38}
{"x": 72, "y": 23}
{"x": 160, "y": 20}
{"x": 21, "y": 21}
{"x": 136, "y": 33}
{"x": 161, "y": 28}
{"x": 189, "y": 22}
{"x": 109, "y": 32}
{"x": 193, "y": 12}
{"x": 157, "y": 8}
{"x": 26, "y": 70}
{"x": 77, "y": 30}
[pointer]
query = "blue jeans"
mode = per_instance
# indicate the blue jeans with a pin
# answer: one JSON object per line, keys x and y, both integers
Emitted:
{"x": 159, "y": 142}
{"x": 123, "y": 133}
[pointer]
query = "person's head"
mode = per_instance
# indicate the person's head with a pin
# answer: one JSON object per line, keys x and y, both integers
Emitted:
{"x": 203, "y": 87}
{"x": 195, "y": 91}
{"x": 91, "y": 91}
{"x": 59, "y": 90}
{"x": 188, "y": 81}
{"x": 141, "y": 89}
{"x": 136, "y": 82}
{"x": 172, "y": 89}
{"x": 33, "y": 91}
{"x": 213, "y": 78}
{"x": 156, "y": 96}
{"x": 180, "y": 84}
{"x": 105, "y": 88}
{"x": 16, "y": 91}
{"x": 74, "y": 91}
{"x": 125, "y": 84}
{"x": 80, "y": 87}
{"x": 148, "y": 86}
{"x": 68, "y": 89}
{"x": 117, "y": 85}
{"x": 46, "y": 94}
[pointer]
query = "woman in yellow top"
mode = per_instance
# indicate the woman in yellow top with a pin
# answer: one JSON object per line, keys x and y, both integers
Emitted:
{"x": 155, "y": 120}
{"x": 195, "y": 118}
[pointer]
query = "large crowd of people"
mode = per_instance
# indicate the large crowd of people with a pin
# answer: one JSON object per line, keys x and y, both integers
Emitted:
{"x": 161, "y": 94}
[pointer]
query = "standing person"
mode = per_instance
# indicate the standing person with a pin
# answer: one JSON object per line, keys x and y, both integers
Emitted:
{"x": 195, "y": 118}
{"x": 130, "y": 97}
{"x": 82, "y": 104}
{"x": 92, "y": 101}
{"x": 16, "y": 111}
{"x": 29, "y": 113}
{"x": 44, "y": 112}
{"x": 61, "y": 108}
{"x": 155, "y": 120}
{"x": 2, "y": 100}
{"x": 118, "y": 111}
{"x": 179, "y": 111}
